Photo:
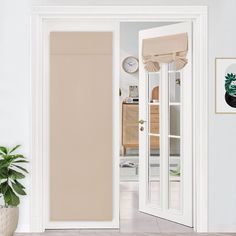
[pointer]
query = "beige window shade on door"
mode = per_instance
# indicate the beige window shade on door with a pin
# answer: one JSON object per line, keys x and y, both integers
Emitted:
{"x": 166, "y": 49}
{"x": 81, "y": 126}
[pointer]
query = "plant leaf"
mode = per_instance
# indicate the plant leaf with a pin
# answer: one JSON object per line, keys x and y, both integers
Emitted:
{"x": 20, "y": 161}
{"x": 13, "y": 149}
{"x": 3, "y": 173}
{"x": 13, "y": 174}
{"x": 17, "y": 156}
{"x": 11, "y": 198}
{"x": 21, "y": 168}
{"x": 3, "y": 150}
{"x": 19, "y": 184}
{"x": 4, "y": 163}
{"x": 18, "y": 189}
{"x": 4, "y": 187}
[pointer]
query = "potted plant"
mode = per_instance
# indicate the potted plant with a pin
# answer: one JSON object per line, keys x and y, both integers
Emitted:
{"x": 11, "y": 172}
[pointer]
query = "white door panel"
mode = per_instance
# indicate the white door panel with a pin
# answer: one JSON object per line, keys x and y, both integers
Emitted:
{"x": 166, "y": 138}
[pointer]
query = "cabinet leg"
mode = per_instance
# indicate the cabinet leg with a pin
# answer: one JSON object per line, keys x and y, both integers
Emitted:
{"x": 122, "y": 150}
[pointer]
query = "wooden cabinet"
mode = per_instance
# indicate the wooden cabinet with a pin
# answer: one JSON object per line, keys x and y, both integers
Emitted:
{"x": 130, "y": 116}
{"x": 130, "y": 126}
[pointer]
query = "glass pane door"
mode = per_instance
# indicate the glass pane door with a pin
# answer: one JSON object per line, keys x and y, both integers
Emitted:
{"x": 165, "y": 136}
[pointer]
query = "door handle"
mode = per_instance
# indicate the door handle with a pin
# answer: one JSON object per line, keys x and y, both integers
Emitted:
{"x": 142, "y": 122}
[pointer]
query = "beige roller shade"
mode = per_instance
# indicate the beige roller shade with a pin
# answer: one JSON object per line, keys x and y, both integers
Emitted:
{"x": 166, "y": 49}
{"x": 81, "y": 126}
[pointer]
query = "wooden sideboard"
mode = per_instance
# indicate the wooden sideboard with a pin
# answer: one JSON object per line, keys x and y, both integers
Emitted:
{"x": 130, "y": 126}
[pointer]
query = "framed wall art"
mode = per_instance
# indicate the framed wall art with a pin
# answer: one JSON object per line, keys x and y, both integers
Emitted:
{"x": 225, "y": 73}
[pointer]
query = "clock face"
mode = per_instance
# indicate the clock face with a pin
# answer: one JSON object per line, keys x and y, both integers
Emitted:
{"x": 130, "y": 65}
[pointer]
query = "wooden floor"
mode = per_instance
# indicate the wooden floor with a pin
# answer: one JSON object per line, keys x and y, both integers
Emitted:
{"x": 132, "y": 222}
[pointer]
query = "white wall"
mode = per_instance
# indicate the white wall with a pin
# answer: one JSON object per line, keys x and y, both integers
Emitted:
{"x": 15, "y": 83}
{"x": 15, "y": 94}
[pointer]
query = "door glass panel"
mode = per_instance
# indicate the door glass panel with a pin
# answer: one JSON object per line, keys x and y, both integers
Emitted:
{"x": 154, "y": 170}
{"x": 174, "y": 138}
{"x": 174, "y": 83}
{"x": 153, "y": 86}
{"x": 174, "y": 120}
{"x": 174, "y": 174}
{"x": 154, "y": 139}
{"x": 154, "y": 119}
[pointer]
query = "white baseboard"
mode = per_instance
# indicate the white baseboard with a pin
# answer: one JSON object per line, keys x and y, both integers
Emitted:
{"x": 23, "y": 228}
{"x": 223, "y": 229}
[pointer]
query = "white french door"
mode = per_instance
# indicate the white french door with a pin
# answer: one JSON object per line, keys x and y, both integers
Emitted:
{"x": 166, "y": 134}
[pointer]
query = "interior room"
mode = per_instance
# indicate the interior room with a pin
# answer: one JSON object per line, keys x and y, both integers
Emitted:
{"x": 117, "y": 117}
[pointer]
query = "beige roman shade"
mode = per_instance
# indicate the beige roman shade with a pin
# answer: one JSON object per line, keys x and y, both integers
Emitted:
{"x": 81, "y": 128}
{"x": 165, "y": 49}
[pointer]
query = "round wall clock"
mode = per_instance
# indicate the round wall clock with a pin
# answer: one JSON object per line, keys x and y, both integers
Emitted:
{"x": 130, "y": 65}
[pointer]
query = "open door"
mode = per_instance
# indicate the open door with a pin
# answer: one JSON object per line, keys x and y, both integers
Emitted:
{"x": 165, "y": 136}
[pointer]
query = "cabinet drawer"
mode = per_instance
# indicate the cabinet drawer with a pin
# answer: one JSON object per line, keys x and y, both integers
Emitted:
{"x": 130, "y": 113}
{"x": 154, "y": 109}
{"x": 154, "y": 128}
{"x": 130, "y": 134}
{"x": 154, "y": 142}
{"x": 154, "y": 118}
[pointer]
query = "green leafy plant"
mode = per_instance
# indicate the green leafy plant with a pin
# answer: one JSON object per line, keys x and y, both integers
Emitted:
{"x": 230, "y": 84}
{"x": 11, "y": 172}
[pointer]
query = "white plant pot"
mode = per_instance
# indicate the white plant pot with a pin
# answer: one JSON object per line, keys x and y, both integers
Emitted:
{"x": 8, "y": 220}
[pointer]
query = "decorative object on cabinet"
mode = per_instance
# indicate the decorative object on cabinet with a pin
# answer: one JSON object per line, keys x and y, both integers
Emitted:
{"x": 225, "y": 72}
{"x": 131, "y": 100}
{"x": 133, "y": 91}
{"x": 155, "y": 94}
{"x": 130, "y": 64}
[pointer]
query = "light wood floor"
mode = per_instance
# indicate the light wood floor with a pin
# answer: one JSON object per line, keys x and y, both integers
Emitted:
{"x": 132, "y": 222}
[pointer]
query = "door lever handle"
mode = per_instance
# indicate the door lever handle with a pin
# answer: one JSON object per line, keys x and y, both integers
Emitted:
{"x": 142, "y": 122}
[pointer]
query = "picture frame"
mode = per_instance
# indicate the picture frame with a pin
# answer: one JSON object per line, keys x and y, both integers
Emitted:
{"x": 225, "y": 85}
{"x": 133, "y": 91}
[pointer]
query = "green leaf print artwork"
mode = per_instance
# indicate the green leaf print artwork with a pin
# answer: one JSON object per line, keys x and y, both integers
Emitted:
{"x": 230, "y": 88}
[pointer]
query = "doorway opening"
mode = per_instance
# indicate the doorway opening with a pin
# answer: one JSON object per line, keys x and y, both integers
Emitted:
{"x": 53, "y": 19}
{"x": 131, "y": 218}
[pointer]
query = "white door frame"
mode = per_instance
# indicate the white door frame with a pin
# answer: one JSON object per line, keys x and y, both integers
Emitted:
{"x": 196, "y": 14}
